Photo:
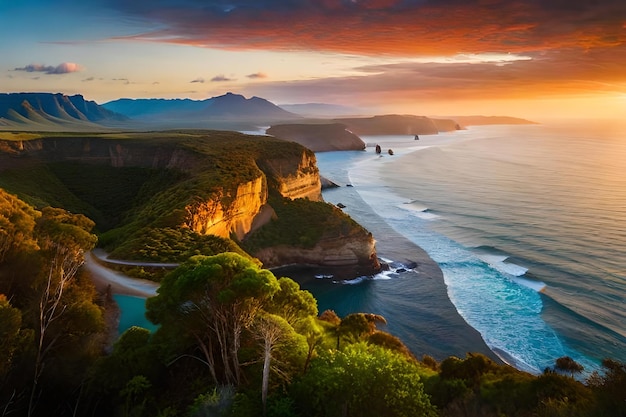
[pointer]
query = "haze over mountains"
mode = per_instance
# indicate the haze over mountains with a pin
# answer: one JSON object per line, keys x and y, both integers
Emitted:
{"x": 59, "y": 112}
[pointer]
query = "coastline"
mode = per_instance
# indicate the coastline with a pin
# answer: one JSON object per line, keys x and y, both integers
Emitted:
{"x": 425, "y": 317}
{"x": 438, "y": 329}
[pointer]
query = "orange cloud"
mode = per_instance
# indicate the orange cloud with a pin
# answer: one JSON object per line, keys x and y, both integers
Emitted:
{"x": 396, "y": 28}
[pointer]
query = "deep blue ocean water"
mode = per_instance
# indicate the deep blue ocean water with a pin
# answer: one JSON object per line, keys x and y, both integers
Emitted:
{"x": 527, "y": 223}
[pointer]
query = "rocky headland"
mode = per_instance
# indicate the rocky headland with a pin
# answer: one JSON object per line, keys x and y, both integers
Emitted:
{"x": 223, "y": 184}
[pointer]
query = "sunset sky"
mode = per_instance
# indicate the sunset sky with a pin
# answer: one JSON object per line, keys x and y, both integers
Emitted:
{"x": 534, "y": 59}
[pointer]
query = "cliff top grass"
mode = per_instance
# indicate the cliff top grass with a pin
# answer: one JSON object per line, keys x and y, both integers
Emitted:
{"x": 17, "y": 136}
{"x": 131, "y": 204}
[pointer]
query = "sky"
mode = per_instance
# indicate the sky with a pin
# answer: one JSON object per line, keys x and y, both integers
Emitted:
{"x": 536, "y": 59}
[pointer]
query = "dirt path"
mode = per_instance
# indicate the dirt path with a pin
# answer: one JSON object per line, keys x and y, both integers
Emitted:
{"x": 103, "y": 277}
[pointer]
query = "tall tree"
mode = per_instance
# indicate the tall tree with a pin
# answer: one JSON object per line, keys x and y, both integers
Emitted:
{"x": 270, "y": 329}
{"x": 63, "y": 238}
{"x": 213, "y": 299}
{"x": 354, "y": 327}
{"x": 17, "y": 222}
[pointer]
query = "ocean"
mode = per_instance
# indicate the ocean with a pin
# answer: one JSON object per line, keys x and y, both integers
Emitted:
{"x": 526, "y": 222}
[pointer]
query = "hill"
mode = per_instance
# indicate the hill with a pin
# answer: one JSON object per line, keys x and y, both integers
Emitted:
{"x": 319, "y": 137}
{"x": 321, "y": 110}
{"x": 395, "y": 124}
{"x": 490, "y": 120}
{"x": 54, "y": 112}
{"x": 179, "y": 113}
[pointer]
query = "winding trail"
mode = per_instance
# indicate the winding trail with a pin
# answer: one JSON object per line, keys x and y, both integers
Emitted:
{"x": 103, "y": 277}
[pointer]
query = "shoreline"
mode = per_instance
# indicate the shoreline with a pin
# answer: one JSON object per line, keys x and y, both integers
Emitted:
{"x": 449, "y": 327}
{"x": 438, "y": 328}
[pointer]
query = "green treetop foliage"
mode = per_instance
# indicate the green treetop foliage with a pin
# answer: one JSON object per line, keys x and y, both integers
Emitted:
{"x": 213, "y": 299}
{"x": 362, "y": 380}
{"x": 17, "y": 222}
{"x": 12, "y": 336}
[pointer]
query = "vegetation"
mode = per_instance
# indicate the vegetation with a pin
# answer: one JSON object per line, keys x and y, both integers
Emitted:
{"x": 140, "y": 211}
{"x": 287, "y": 228}
{"x": 51, "y": 324}
{"x": 234, "y": 340}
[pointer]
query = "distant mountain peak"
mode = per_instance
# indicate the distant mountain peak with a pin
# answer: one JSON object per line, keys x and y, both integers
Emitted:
{"x": 53, "y": 111}
{"x": 226, "y": 107}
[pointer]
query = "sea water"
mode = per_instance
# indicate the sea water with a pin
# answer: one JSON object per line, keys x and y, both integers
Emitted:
{"x": 527, "y": 223}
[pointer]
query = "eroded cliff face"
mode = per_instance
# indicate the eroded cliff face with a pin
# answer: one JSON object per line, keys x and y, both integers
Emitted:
{"x": 293, "y": 177}
{"x": 228, "y": 211}
{"x": 245, "y": 209}
{"x": 350, "y": 256}
{"x": 231, "y": 211}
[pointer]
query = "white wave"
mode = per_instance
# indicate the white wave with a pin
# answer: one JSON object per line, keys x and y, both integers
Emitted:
{"x": 535, "y": 285}
{"x": 324, "y": 276}
{"x": 419, "y": 210}
{"x": 499, "y": 262}
{"x": 354, "y": 281}
{"x": 385, "y": 275}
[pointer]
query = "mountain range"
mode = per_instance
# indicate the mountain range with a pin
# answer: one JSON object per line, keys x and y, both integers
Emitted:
{"x": 225, "y": 108}
{"x": 47, "y": 111}
{"x": 59, "y": 112}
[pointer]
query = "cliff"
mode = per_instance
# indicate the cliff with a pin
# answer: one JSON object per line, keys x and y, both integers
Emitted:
{"x": 213, "y": 183}
{"x": 213, "y": 217}
{"x": 491, "y": 120}
{"x": 294, "y": 177}
{"x": 345, "y": 257}
{"x": 319, "y": 137}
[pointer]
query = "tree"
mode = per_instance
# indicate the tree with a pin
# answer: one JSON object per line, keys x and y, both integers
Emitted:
{"x": 362, "y": 380}
{"x": 314, "y": 334}
{"x": 610, "y": 388}
{"x": 271, "y": 330}
{"x": 63, "y": 238}
{"x": 293, "y": 303}
{"x": 17, "y": 222}
{"x": 212, "y": 299}
{"x": 10, "y": 324}
{"x": 567, "y": 364}
{"x": 355, "y": 326}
